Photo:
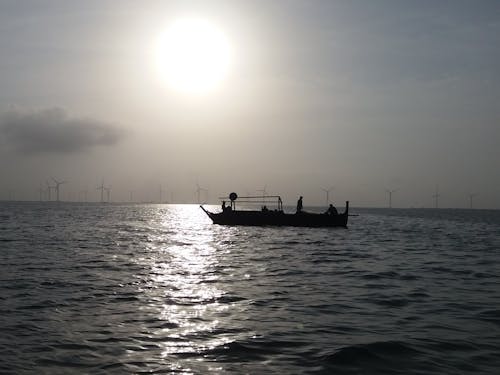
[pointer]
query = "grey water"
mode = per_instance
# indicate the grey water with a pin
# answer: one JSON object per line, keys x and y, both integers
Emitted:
{"x": 96, "y": 288}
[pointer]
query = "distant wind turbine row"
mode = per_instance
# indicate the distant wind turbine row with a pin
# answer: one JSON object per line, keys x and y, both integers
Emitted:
{"x": 53, "y": 186}
{"x": 435, "y": 197}
{"x": 52, "y": 192}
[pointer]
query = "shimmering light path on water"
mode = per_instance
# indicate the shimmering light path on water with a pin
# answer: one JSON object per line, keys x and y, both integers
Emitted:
{"x": 156, "y": 288}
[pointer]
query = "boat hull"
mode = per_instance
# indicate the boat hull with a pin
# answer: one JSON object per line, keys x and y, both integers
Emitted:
{"x": 278, "y": 218}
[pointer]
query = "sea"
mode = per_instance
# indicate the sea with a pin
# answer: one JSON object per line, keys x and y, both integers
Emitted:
{"x": 158, "y": 289}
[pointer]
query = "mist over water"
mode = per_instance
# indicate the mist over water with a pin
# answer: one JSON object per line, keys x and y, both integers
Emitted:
{"x": 91, "y": 288}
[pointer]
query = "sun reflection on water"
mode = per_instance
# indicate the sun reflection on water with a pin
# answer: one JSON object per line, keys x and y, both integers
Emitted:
{"x": 184, "y": 285}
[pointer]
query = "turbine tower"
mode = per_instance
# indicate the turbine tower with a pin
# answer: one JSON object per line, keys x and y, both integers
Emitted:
{"x": 390, "y": 192}
{"x": 471, "y": 195}
{"x": 49, "y": 189}
{"x": 131, "y": 192}
{"x": 161, "y": 194}
{"x": 327, "y": 192}
{"x": 108, "y": 193}
{"x": 436, "y": 197}
{"x": 199, "y": 190}
{"x": 58, "y": 183}
{"x": 101, "y": 188}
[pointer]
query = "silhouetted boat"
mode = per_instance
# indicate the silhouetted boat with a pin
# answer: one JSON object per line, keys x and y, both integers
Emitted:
{"x": 231, "y": 216}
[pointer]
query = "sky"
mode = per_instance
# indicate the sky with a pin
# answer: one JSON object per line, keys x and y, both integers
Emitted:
{"x": 362, "y": 96}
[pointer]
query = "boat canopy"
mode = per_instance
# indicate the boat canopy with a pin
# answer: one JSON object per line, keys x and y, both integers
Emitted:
{"x": 263, "y": 200}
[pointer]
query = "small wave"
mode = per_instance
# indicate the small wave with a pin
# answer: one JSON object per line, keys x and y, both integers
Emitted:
{"x": 451, "y": 346}
{"x": 41, "y": 305}
{"x": 381, "y": 275}
{"x": 384, "y": 355}
{"x": 393, "y": 302}
{"x": 111, "y": 339}
{"x": 492, "y": 316}
{"x": 73, "y": 346}
{"x": 154, "y": 323}
{"x": 250, "y": 350}
{"x": 229, "y": 299}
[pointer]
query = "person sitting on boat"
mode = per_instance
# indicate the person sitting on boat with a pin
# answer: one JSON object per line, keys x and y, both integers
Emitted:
{"x": 264, "y": 209}
{"x": 299, "y": 205}
{"x": 331, "y": 210}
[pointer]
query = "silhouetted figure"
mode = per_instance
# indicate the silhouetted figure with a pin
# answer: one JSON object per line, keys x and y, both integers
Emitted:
{"x": 223, "y": 206}
{"x": 264, "y": 209}
{"x": 299, "y": 205}
{"x": 332, "y": 210}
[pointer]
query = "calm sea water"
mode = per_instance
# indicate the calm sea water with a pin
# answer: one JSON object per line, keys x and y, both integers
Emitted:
{"x": 159, "y": 289}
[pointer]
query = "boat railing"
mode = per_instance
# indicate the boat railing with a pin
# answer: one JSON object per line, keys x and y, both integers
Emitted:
{"x": 262, "y": 199}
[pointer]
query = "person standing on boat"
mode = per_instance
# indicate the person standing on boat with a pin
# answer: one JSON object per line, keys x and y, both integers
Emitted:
{"x": 299, "y": 205}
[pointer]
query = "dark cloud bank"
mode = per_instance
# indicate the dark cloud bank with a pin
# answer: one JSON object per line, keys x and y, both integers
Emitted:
{"x": 54, "y": 131}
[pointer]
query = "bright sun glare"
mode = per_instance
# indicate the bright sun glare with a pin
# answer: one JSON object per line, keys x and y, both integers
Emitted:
{"x": 193, "y": 56}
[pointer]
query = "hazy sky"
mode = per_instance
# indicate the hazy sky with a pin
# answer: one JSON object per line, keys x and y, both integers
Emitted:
{"x": 360, "y": 95}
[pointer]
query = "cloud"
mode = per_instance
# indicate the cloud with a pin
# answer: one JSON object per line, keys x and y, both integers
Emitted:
{"x": 52, "y": 130}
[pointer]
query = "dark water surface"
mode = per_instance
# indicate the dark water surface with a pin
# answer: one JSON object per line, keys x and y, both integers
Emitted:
{"x": 159, "y": 289}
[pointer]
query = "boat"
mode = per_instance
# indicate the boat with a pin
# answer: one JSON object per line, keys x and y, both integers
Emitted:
{"x": 230, "y": 215}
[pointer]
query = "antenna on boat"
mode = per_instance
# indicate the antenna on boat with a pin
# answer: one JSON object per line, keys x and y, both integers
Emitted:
{"x": 436, "y": 197}
{"x": 264, "y": 193}
{"x": 390, "y": 192}
{"x": 56, "y": 187}
{"x": 327, "y": 192}
{"x": 471, "y": 195}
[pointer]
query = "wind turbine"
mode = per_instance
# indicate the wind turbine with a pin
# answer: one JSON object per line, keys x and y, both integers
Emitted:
{"x": 58, "y": 183}
{"x": 131, "y": 192}
{"x": 471, "y": 195}
{"x": 49, "y": 189}
{"x": 327, "y": 192}
{"x": 101, "y": 188}
{"x": 390, "y": 192}
{"x": 161, "y": 193}
{"x": 108, "y": 192}
{"x": 436, "y": 196}
{"x": 199, "y": 190}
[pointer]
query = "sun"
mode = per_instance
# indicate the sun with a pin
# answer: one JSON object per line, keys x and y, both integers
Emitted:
{"x": 193, "y": 56}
